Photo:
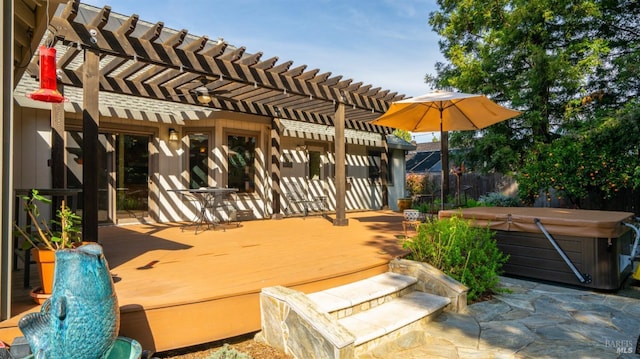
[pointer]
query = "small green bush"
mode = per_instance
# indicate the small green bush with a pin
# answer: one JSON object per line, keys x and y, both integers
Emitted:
{"x": 496, "y": 199}
{"x": 472, "y": 203}
{"x": 468, "y": 254}
{"x": 226, "y": 352}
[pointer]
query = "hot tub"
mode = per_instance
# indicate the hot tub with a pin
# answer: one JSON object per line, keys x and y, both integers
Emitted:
{"x": 580, "y": 247}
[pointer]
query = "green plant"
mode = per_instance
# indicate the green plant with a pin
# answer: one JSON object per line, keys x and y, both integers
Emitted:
{"x": 468, "y": 254}
{"x": 226, "y": 352}
{"x": 497, "y": 199}
{"x": 414, "y": 183}
{"x": 419, "y": 184}
{"x": 425, "y": 207}
{"x": 62, "y": 233}
{"x": 598, "y": 158}
{"x": 472, "y": 203}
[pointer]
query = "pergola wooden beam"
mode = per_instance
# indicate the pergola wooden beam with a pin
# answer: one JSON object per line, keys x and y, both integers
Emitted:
{"x": 215, "y": 61}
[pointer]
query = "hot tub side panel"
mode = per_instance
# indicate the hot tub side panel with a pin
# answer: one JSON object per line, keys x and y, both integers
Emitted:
{"x": 532, "y": 255}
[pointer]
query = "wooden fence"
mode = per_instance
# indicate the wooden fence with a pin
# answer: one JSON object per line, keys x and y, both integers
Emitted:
{"x": 476, "y": 185}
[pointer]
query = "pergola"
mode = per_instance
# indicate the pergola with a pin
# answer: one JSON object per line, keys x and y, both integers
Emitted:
{"x": 128, "y": 56}
{"x": 108, "y": 52}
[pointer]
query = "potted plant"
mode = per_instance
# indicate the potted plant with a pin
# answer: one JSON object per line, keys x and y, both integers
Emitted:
{"x": 44, "y": 239}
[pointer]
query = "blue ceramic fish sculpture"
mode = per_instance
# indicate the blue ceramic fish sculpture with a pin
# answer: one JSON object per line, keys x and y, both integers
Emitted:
{"x": 81, "y": 319}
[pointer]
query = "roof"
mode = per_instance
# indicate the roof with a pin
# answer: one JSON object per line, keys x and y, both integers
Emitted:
{"x": 150, "y": 61}
{"x": 397, "y": 143}
{"x": 423, "y": 161}
{"x": 312, "y": 131}
{"x": 428, "y": 146}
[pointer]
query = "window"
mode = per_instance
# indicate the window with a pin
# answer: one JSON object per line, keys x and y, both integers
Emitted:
{"x": 241, "y": 159}
{"x": 315, "y": 165}
{"x": 198, "y": 160}
{"x": 374, "y": 165}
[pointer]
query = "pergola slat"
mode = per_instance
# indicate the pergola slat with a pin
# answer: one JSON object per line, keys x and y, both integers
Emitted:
{"x": 233, "y": 55}
{"x": 100, "y": 20}
{"x": 158, "y": 67}
{"x": 266, "y": 64}
{"x": 128, "y": 26}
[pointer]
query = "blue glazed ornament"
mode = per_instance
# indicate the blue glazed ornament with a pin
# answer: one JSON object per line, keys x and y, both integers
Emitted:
{"x": 81, "y": 319}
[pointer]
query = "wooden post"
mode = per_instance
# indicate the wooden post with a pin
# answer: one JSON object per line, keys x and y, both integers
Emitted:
{"x": 58, "y": 168}
{"x": 90, "y": 145}
{"x": 6, "y": 153}
{"x": 385, "y": 157}
{"x": 444, "y": 153}
{"x": 341, "y": 170}
{"x": 276, "y": 176}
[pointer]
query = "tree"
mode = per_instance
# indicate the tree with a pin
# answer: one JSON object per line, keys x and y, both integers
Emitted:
{"x": 572, "y": 68}
{"x": 590, "y": 164}
{"x": 533, "y": 56}
{"x": 403, "y": 134}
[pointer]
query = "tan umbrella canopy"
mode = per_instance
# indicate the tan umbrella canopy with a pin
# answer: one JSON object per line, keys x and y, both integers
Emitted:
{"x": 444, "y": 111}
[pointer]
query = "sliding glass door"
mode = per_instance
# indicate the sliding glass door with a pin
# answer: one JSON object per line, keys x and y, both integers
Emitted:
{"x": 123, "y": 179}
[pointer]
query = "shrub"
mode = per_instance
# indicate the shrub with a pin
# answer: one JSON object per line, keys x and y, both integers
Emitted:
{"x": 472, "y": 203}
{"x": 415, "y": 183}
{"x": 226, "y": 352}
{"x": 419, "y": 184}
{"x": 496, "y": 199}
{"x": 468, "y": 254}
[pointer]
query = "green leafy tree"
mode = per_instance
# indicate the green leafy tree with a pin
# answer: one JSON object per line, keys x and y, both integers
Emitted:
{"x": 596, "y": 160}
{"x": 572, "y": 68}
{"x": 533, "y": 56}
{"x": 405, "y": 135}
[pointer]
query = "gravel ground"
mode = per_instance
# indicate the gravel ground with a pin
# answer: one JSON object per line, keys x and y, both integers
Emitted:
{"x": 244, "y": 344}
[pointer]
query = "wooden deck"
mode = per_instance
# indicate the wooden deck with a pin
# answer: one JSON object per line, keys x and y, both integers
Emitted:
{"x": 178, "y": 289}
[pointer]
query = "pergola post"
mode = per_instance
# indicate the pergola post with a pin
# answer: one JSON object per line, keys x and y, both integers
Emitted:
{"x": 58, "y": 168}
{"x": 341, "y": 168}
{"x": 385, "y": 157}
{"x": 90, "y": 145}
{"x": 276, "y": 191}
{"x": 6, "y": 153}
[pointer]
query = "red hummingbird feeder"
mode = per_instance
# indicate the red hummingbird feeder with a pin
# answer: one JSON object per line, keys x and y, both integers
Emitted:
{"x": 48, "y": 91}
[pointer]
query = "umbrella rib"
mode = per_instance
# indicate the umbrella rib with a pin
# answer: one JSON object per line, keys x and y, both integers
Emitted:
{"x": 455, "y": 104}
{"x": 428, "y": 106}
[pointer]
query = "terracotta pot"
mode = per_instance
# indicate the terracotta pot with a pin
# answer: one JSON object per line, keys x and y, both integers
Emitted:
{"x": 404, "y": 203}
{"x": 45, "y": 259}
{"x": 37, "y": 295}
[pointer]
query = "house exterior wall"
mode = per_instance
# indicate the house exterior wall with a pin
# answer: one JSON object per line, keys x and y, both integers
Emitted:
{"x": 364, "y": 192}
{"x": 168, "y": 163}
{"x": 31, "y": 152}
{"x": 32, "y": 148}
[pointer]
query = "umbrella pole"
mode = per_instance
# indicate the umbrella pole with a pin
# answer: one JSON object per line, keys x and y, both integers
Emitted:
{"x": 444, "y": 161}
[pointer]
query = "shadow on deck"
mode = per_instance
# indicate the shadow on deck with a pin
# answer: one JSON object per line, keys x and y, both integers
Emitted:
{"x": 178, "y": 289}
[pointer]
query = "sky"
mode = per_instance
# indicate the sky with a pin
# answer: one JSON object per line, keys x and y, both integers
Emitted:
{"x": 384, "y": 43}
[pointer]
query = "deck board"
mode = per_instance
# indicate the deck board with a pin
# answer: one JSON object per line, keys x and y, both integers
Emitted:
{"x": 177, "y": 289}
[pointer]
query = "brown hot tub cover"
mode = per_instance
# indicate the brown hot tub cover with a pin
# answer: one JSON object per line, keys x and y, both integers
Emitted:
{"x": 557, "y": 221}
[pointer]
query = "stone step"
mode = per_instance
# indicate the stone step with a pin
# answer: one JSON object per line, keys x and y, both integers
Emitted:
{"x": 391, "y": 316}
{"x": 355, "y": 297}
{"x": 353, "y": 320}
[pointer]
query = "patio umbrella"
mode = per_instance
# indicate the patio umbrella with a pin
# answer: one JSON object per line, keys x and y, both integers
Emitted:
{"x": 444, "y": 111}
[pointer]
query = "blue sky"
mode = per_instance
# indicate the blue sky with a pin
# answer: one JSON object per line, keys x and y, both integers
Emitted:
{"x": 385, "y": 43}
